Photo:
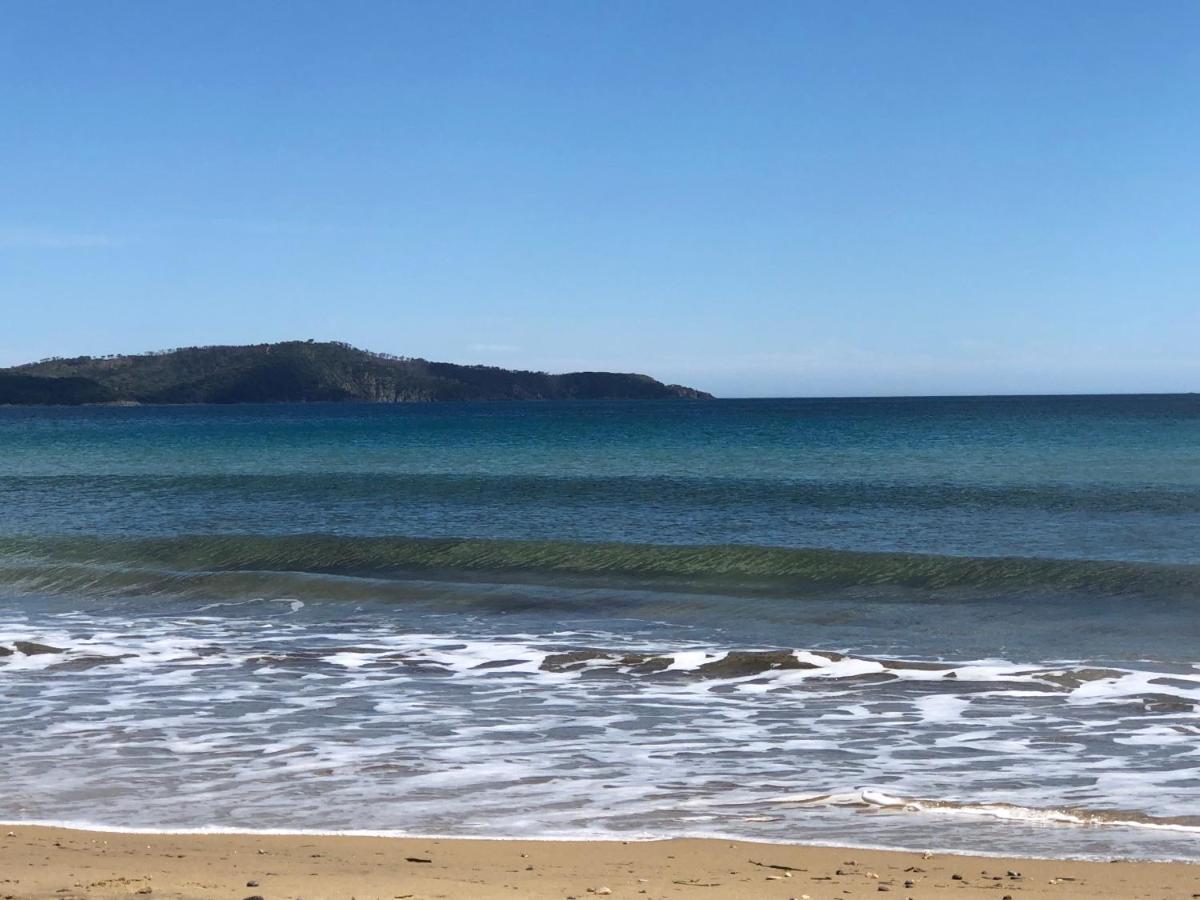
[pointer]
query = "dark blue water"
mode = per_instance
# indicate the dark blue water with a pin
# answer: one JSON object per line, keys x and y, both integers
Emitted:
{"x": 1096, "y": 478}
{"x": 986, "y": 609}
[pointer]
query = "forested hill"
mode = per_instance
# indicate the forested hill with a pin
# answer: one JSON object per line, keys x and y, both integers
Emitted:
{"x": 305, "y": 371}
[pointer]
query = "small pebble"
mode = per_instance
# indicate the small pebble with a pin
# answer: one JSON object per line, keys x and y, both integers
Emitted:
{"x": 251, "y": 884}
{"x": 956, "y": 877}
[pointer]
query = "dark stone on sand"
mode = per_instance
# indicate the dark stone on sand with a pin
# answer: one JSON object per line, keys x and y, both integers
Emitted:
{"x": 735, "y": 664}
{"x": 251, "y": 884}
{"x": 83, "y": 663}
{"x": 317, "y": 658}
{"x": 646, "y": 665}
{"x": 986, "y": 686}
{"x": 29, "y": 648}
{"x": 869, "y": 678}
{"x": 418, "y": 664}
{"x": 413, "y": 668}
{"x": 740, "y": 663}
{"x": 1166, "y": 703}
{"x": 1173, "y": 683}
{"x": 571, "y": 660}
{"x": 912, "y": 664}
{"x": 1076, "y": 677}
{"x": 499, "y": 664}
{"x": 574, "y": 660}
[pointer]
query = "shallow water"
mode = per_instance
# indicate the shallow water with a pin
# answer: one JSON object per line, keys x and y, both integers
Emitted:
{"x": 250, "y": 620}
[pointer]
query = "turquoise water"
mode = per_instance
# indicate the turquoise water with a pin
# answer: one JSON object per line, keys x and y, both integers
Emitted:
{"x": 567, "y": 619}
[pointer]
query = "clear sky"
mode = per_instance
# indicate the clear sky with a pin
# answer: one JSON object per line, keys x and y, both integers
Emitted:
{"x": 758, "y": 198}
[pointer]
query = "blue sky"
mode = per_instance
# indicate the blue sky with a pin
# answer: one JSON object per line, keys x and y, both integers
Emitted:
{"x": 794, "y": 198}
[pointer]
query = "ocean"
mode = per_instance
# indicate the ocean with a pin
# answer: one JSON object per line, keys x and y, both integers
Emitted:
{"x": 937, "y": 623}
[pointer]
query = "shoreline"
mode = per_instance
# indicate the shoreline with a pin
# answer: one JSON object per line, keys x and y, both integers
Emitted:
{"x": 38, "y": 861}
{"x": 208, "y": 831}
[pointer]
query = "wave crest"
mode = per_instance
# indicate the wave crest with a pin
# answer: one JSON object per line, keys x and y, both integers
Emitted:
{"x": 168, "y": 564}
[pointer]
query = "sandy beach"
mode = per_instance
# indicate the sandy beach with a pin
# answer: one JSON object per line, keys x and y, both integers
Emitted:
{"x": 38, "y": 862}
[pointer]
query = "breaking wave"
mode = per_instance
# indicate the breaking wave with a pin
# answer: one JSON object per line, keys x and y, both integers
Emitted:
{"x": 180, "y": 564}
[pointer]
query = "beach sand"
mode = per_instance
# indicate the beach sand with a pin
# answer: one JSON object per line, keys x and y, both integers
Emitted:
{"x": 63, "y": 863}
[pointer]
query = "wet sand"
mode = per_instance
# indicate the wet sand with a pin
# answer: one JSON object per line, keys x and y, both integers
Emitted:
{"x": 38, "y": 862}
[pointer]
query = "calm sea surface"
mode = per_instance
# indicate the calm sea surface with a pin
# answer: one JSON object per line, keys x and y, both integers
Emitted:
{"x": 950, "y": 623}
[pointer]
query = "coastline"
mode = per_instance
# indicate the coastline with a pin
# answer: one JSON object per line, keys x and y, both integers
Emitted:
{"x": 39, "y": 861}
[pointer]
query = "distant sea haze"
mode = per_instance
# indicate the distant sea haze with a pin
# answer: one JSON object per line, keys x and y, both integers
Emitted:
{"x": 965, "y": 623}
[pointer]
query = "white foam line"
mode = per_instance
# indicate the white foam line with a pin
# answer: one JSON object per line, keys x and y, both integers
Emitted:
{"x": 321, "y": 832}
{"x": 1024, "y": 815}
{"x": 1004, "y": 812}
